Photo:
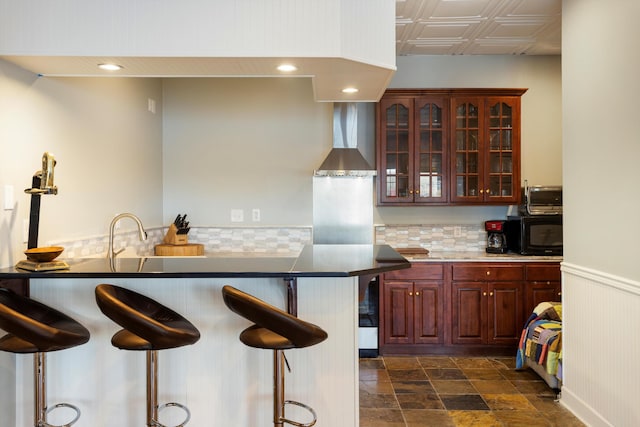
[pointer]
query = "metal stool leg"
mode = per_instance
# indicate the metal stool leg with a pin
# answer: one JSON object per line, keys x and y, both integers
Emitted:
{"x": 152, "y": 388}
{"x": 153, "y": 408}
{"x": 40, "y": 395}
{"x": 39, "y": 388}
{"x": 278, "y": 388}
{"x": 278, "y": 395}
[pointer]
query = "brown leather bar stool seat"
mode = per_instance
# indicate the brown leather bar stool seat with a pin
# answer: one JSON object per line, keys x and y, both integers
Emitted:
{"x": 147, "y": 326}
{"x": 276, "y": 330}
{"x": 38, "y": 329}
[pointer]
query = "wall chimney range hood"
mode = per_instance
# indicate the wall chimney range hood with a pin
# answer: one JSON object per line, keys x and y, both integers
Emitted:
{"x": 345, "y": 159}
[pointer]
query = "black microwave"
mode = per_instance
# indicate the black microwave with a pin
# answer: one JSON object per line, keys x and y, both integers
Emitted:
{"x": 534, "y": 234}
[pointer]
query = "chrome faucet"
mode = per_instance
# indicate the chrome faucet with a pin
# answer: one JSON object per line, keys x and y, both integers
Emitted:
{"x": 143, "y": 234}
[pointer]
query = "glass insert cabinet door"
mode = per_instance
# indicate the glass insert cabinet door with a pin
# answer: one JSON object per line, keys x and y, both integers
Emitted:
{"x": 467, "y": 154}
{"x": 396, "y": 154}
{"x": 431, "y": 150}
{"x": 501, "y": 148}
{"x": 413, "y": 150}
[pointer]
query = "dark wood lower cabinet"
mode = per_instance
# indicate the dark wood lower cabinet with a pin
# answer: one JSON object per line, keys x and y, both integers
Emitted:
{"x": 468, "y": 308}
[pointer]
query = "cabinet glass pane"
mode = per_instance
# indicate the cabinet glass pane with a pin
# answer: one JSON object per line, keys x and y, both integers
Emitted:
{"x": 461, "y": 116}
{"x": 461, "y": 140}
{"x": 392, "y": 140}
{"x": 398, "y": 116}
{"x": 425, "y": 163}
{"x": 430, "y": 186}
{"x": 425, "y": 116}
{"x": 473, "y": 116}
{"x": 392, "y": 164}
{"x": 506, "y": 139}
{"x": 403, "y": 141}
{"x": 403, "y": 186}
{"x": 391, "y": 186}
{"x": 436, "y": 163}
{"x": 500, "y": 186}
{"x": 436, "y": 140}
{"x": 403, "y": 163}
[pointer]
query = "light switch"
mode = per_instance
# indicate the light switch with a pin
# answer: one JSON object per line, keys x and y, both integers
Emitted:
{"x": 8, "y": 198}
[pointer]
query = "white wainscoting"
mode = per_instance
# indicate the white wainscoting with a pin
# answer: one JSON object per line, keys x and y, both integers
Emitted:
{"x": 601, "y": 347}
{"x": 221, "y": 380}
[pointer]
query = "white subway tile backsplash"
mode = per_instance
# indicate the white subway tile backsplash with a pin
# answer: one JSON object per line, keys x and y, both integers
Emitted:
{"x": 435, "y": 237}
{"x": 215, "y": 239}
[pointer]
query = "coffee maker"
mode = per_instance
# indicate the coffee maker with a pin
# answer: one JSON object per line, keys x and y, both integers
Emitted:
{"x": 496, "y": 238}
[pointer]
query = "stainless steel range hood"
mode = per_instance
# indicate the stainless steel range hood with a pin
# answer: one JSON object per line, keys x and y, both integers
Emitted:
{"x": 345, "y": 159}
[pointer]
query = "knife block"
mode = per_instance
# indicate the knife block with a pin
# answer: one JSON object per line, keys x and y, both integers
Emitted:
{"x": 173, "y": 238}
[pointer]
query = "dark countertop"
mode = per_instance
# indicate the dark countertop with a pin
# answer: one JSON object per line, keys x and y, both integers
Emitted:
{"x": 313, "y": 261}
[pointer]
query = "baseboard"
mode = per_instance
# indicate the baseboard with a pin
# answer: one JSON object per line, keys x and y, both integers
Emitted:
{"x": 581, "y": 410}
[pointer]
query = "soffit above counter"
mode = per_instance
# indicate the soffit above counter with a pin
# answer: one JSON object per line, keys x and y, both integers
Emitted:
{"x": 328, "y": 75}
{"x": 336, "y": 43}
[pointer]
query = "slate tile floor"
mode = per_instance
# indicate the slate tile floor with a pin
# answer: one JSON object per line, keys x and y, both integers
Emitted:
{"x": 442, "y": 391}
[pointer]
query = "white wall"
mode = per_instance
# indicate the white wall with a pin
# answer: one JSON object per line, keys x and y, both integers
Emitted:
{"x": 107, "y": 145}
{"x": 541, "y": 119}
{"x": 601, "y": 279}
{"x": 239, "y": 143}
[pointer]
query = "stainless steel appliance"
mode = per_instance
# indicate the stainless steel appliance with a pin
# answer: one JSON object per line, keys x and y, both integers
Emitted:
{"x": 542, "y": 200}
{"x": 343, "y": 202}
{"x": 496, "y": 239}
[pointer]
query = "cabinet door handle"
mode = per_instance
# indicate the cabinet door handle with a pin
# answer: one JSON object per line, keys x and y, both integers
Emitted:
{"x": 488, "y": 191}
{"x": 481, "y": 191}
{"x": 417, "y": 294}
{"x": 410, "y": 294}
{"x": 410, "y": 191}
{"x": 417, "y": 191}
{"x": 488, "y": 273}
{"x": 484, "y": 294}
{"x": 490, "y": 294}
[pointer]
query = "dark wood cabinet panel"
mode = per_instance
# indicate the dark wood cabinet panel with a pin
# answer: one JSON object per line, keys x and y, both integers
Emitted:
{"x": 398, "y": 313}
{"x": 505, "y": 313}
{"x": 412, "y": 310}
{"x": 429, "y": 313}
{"x": 462, "y": 308}
{"x": 448, "y": 146}
{"x": 543, "y": 284}
{"x": 469, "y": 313}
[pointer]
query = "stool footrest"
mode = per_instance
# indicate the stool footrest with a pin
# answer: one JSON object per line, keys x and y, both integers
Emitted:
{"x": 61, "y": 405}
{"x": 157, "y": 423}
{"x": 302, "y": 405}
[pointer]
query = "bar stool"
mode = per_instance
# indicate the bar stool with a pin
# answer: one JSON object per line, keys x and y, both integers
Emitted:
{"x": 276, "y": 330}
{"x": 148, "y": 326}
{"x": 36, "y": 328}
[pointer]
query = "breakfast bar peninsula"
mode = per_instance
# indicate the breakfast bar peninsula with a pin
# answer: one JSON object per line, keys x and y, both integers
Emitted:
{"x": 222, "y": 381}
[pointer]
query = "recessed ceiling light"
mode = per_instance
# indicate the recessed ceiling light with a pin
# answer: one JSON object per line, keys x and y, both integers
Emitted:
{"x": 349, "y": 90}
{"x": 287, "y": 68}
{"x": 110, "y": 67}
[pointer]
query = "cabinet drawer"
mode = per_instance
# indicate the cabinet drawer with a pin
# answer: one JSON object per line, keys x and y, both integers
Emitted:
{"x": 418, "y": 271}
{"x": 542, "y": 273}
{"x": 487, "y": 272}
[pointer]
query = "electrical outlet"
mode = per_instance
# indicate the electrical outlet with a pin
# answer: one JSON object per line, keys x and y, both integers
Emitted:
{"x": 255, "y": 215}
{"x": 457, "y": 231}
{"x": 237, "y": 215}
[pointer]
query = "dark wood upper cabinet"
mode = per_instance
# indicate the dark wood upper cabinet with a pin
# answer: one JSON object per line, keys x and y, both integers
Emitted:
{"x": 448, "y": 146}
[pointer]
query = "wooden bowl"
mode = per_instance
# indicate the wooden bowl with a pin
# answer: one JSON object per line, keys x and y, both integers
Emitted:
{"x": 45, "y": 254}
